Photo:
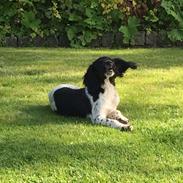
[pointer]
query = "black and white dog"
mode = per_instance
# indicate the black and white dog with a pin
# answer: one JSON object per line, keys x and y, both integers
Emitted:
{"x": 99, "y": 98}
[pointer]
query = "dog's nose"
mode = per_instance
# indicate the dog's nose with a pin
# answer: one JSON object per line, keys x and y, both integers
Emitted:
{"x": 109, "y": 65}
{"x": 133, "y": 65}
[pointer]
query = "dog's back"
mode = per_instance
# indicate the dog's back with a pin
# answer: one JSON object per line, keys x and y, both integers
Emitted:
{"x": 69, "y": 100}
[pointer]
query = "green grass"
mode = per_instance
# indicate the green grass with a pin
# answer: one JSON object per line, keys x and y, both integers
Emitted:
{"x": 38, "y": 146}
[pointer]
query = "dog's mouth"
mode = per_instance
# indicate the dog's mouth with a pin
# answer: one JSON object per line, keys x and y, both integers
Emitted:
{"x": 110, "y": 73}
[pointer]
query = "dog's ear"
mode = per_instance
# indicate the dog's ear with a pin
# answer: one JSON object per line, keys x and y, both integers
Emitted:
{"x": 122, "y": 66}
{"x": 132, "y": 65}
{"x": 90, "y": 79}
{"x": 89, "y": 75}
{"x": 92, "y": 82}
{"x": 94, "y": 74}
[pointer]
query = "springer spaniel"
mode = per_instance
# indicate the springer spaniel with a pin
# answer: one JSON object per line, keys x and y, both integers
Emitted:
{"x": 99, "y": 98}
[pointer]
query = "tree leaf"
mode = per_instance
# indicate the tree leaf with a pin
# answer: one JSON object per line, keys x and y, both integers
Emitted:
{"x": 29, "y": 20}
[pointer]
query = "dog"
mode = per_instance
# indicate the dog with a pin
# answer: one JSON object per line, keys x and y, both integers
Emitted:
{"x": 99, "y": 99}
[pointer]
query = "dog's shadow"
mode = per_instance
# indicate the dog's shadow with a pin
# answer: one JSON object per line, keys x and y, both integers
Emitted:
{"x": 42, "y": 114}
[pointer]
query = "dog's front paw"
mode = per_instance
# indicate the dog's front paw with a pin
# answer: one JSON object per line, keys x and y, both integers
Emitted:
{"x": 123, "y": 120}
{"x": 127, "y": 128}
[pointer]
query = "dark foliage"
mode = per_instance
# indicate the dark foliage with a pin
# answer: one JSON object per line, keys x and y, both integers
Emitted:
{"x": 84, "y": 22}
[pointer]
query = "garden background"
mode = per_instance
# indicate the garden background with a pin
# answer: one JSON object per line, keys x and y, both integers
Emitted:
{"x": 93, "y": 23}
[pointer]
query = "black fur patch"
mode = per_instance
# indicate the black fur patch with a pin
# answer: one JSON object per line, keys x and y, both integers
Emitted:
{"x": 72, "y": 102}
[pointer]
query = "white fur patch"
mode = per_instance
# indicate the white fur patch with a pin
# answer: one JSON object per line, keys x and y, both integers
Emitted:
{"x": 107, "y": 101}
{"x": 110, "y": 98}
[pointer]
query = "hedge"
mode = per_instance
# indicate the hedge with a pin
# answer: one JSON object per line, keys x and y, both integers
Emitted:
{"x": 90, "y": 22}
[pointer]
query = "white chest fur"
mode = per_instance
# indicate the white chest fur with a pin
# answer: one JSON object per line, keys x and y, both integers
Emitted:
{"x": 110, "y": 98}
{"x": 107, "y": 101}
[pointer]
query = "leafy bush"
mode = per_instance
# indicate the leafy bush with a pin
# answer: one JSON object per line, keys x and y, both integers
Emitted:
{"x": 87, "y": 20}
{"x": 174, "y": 11}
{"x": 130, "y": 29}
{"x": 84, "y": 22}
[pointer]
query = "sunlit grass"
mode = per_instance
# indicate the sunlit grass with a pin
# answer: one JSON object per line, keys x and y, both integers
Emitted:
{"x": 37, "y": 145}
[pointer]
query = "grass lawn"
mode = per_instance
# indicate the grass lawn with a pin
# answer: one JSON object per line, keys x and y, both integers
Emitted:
{"x": 37, "y": 146}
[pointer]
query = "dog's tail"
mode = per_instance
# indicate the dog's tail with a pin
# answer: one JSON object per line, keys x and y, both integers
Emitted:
{"x": 51, "y": 100}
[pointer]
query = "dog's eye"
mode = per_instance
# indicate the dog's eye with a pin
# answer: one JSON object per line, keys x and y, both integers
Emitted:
{"x": 109, "y": 64}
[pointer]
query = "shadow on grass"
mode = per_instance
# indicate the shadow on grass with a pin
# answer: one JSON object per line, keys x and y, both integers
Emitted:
{"x": 31, "y": 151}
{"x": 135, "y": 156}
{"x": 42, "y": 114}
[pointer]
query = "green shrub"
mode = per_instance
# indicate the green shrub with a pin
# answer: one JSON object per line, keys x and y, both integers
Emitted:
{"x": 86, "y": 20}
{"x": 130, "y": 29}
{"x": 174, "y": 11}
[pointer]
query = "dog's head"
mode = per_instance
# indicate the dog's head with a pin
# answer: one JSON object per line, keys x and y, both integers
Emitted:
{"x": 106, "y": 67}
{"x": 103, "y": 68}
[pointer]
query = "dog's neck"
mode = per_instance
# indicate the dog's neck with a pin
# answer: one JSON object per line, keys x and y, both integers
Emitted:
{"x": 94, "y": 92}
{"x": 112, "y": 80}
{"x": 107, "y": 84}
